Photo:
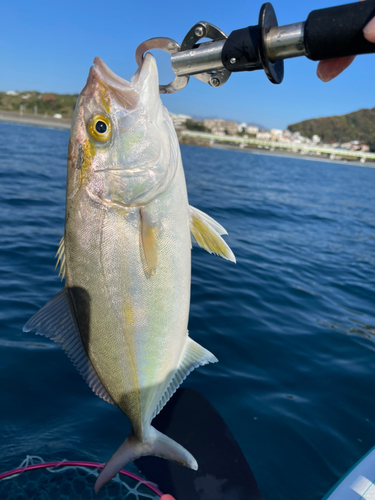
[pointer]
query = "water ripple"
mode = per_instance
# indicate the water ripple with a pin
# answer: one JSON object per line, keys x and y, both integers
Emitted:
{"x": 292, "y": 323}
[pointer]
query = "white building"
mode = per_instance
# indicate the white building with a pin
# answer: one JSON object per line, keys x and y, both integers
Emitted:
{"x": 276, "y": 133}
{"x": 231, "y": 127}
{"x": 315, "y": 139}
{"x": 264, "y": 135}
{"x": 252, "y": 129}
{"x": 179, "y": 120}
{"x": 12, "y": 92}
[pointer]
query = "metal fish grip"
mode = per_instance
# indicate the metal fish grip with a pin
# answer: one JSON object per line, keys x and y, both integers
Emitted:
{"x": 327, "y": 33}
{"x": 203, "y": 61}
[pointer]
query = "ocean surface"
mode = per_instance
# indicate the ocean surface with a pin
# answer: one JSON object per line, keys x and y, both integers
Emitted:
{"x": 292, "y": 323}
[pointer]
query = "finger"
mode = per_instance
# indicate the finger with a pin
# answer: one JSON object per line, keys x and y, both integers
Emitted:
{"x": 167, "y": 497}
{"x": 329, "y": 69}
{"x": 369, "y": 31}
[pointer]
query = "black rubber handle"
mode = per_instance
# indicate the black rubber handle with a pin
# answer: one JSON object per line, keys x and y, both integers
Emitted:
{"x": 338, "y": 31}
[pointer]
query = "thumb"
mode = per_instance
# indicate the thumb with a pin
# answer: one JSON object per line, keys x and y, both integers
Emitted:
{"x": 369, "y": 31}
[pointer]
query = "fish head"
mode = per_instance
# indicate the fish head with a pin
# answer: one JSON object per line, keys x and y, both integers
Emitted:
{"x": 123, "y": 149}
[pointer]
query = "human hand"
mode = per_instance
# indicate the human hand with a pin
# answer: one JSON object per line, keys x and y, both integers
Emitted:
{"x": 167, "y": 497}
{"x": 329, "y": 69}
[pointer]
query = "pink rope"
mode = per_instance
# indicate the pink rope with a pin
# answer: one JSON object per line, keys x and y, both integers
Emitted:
{"x": 78, "y": 464}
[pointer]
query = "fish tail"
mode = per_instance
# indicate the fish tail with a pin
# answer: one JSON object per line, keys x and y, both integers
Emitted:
{"x": 154, "y": 443}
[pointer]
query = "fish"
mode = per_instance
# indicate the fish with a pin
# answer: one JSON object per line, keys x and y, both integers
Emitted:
{"x": 122, "y": 315}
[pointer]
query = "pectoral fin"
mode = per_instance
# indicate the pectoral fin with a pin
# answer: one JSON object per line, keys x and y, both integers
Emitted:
{"x": 207, "y": 231}
{"x": 148, "y": 236}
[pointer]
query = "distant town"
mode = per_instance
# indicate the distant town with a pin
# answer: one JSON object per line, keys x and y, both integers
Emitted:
{"x": 56, "y": 110}
{"x": 217, "y": 131}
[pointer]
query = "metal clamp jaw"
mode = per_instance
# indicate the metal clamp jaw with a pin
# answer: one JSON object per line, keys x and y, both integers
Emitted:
{"x": 203, "y": 61}
{"x": 170, "y": 46}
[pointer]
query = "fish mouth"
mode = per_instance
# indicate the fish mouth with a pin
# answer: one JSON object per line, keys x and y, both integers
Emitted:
{"x": 102, "y": 81}
{"x": 109, "y": 77}
{"x": 132, "y": 171}
{"x": 126, "y": 93}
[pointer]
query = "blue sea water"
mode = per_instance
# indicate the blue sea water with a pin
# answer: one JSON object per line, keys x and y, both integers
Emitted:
{"x": 292, "y": 323}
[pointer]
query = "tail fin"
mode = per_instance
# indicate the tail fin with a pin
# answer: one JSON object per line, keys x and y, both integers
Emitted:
{"x": 155, "y": 443}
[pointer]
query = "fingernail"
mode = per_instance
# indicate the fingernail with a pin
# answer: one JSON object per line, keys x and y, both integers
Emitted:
{"x": 369, "y": 31}
{"x": 323, "y": 77}
{"x": 318, "y": 72}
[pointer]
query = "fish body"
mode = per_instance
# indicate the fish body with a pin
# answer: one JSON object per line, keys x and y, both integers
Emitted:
{"x": 126, "y": 258}
{"x": 135, "y": 309}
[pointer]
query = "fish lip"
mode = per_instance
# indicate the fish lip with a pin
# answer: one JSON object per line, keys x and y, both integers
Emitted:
{"x": 122, "y": 90}
{"x": 127, "y": 92}
{"x": 109, "y": 77}
{"x": 123, "y": 171}
{"x": 142, "y": 73}
{"x": 144, "y": 168}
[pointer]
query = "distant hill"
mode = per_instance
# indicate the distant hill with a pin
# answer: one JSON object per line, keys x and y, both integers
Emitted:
{"x": 357, "y": 126}
{"x": 45, "y": 104}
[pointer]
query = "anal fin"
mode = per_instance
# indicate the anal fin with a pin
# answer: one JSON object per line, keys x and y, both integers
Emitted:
{"x": 194, "y": 355}
{"x": 56, "y": 321}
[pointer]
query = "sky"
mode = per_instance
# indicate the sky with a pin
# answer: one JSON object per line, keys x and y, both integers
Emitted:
{"x": 49, "y": 47}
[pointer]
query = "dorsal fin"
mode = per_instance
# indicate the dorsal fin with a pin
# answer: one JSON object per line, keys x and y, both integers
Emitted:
{"x": 56, "y": 321}
{"x": 194, "y": 355}
{"x": 60, "y": 254}
{"x": 206, "y": 232}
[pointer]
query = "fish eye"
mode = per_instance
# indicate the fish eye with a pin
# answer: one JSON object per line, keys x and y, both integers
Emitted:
{"x": 100, "y": 128}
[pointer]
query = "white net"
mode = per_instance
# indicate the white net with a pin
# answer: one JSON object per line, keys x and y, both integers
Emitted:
{"x": 69, "y": 483}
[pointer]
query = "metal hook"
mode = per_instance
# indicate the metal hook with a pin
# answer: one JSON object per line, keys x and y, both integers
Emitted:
{"x": 170, "y": 46}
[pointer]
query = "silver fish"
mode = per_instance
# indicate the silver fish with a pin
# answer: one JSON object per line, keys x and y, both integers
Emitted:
{"x": 126, "y": 257}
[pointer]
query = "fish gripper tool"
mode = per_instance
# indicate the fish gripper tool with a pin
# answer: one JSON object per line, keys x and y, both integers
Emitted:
{"x": 326, "y": 34}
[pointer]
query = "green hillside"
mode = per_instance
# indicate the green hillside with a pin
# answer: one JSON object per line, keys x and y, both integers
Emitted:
{"x": 357, "y": 126}
{"x": 46, "y": 104}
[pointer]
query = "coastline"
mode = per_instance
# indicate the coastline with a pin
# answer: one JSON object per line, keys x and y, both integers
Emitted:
{"x": 35, "y": 120}
{"x": 65, "y": 124}
{"x": 273, "y": 149}
{"x": 291, "y": 155}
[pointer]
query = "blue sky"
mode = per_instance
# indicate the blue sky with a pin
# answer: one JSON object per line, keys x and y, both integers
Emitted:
{"x": 49, "y": 46}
